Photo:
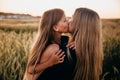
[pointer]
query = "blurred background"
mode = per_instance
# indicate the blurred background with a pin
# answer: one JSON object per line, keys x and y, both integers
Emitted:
{"x": 19, "y": 20}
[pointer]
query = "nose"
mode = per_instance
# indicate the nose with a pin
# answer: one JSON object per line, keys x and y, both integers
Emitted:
{"x": 69, "y": 22}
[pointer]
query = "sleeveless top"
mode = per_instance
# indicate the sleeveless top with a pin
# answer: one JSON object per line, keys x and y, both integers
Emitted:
{"x": 62, "y": 71}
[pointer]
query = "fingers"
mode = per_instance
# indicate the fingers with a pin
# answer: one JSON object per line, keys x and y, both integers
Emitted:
{"x": 61, "y": 59}
{"x": 61, "y": 54}
{"x": 58, "y": 52}
{"x": 73, "y": 48}
{"x": 71, "y": 45}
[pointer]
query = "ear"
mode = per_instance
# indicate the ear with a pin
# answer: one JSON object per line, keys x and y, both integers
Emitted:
{"x": 55, "y": 28}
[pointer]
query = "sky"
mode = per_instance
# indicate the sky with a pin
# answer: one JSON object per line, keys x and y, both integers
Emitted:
{"x": 105, "y": 8}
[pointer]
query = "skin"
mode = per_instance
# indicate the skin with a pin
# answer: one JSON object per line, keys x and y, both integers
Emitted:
{"x": 62, "y": 26}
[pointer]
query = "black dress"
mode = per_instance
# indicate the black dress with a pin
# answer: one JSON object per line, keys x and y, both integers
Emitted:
{"x": 62, "y": 71}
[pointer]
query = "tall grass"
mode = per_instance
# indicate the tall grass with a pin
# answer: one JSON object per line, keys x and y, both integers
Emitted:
{"x": 14, "y": 50}
{"x": 111, "y": 63}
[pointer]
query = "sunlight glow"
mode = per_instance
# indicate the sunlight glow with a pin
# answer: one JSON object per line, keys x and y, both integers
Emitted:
{"x": 105, "y": 8}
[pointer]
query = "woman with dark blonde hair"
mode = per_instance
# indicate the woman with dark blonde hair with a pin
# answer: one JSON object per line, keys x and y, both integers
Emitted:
{"x": 46, "y": 50}
{"x": 85, "y": 28}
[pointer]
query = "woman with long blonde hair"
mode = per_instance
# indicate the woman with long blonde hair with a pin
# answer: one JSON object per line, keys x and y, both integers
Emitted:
{"x": 46, "y": 51}
{"x": 86, "y": 32}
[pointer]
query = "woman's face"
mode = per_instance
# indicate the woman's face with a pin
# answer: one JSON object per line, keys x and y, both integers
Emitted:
{"x": 71, "y": 29}
{"x": 62, "y": 25}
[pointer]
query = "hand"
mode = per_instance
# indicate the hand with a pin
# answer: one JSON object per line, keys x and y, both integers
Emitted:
{"x": 57, "y": 57}
{"x": 71, "y": 45}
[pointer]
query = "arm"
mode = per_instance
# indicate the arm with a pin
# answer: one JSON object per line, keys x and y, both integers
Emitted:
{"x": 53, "y": 59}
{"x": 51, "y": 56}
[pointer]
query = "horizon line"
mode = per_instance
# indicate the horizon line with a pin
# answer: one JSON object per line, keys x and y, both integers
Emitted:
{"x": 39, "y": 15}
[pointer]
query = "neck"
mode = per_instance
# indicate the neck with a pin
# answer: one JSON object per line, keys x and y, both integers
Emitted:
{"x": 57, "y": 39}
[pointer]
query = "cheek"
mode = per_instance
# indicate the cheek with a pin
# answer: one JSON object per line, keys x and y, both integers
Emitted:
{"x": 64, "y": 28}
{"x": 66, "y": 25}
{"x": 70, "y": 28}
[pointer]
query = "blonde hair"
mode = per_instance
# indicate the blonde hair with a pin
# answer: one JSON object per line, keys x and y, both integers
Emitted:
{"x": 45, "y": 35}
{"x": 88, "y": 41}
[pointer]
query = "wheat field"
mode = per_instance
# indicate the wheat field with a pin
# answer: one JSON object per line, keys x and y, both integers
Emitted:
{"x": 18, "y": 35}
{"x": 14, "y": 51}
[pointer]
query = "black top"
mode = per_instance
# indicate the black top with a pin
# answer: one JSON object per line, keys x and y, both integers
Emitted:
{"x": 62, "y": 71}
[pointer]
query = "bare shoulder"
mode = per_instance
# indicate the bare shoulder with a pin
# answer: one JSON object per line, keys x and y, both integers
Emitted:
{"x": 51, "y": 49}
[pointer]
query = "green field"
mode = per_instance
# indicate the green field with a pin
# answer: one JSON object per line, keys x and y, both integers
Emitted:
{"x": 18, "y": 35}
